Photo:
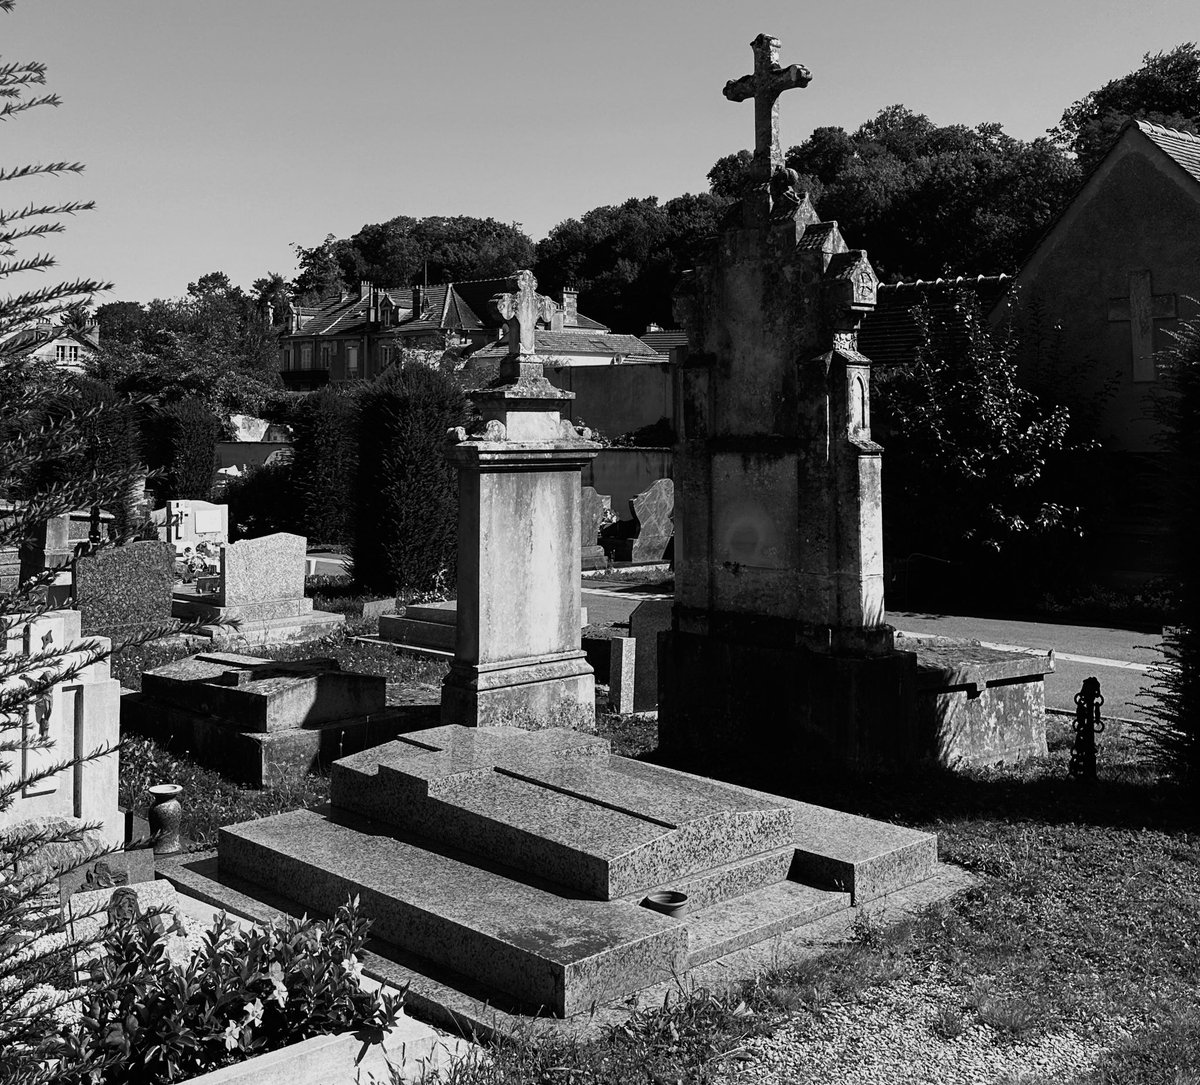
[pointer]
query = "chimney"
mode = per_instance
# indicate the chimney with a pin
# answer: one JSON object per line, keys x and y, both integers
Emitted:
{"x": 570, "y": 301}
{"x": 364, "y": 290}
{"x": 418, "y": 301}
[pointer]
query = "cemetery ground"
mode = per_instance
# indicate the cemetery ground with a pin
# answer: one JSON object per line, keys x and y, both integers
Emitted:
{"x": 1074, "y": 957}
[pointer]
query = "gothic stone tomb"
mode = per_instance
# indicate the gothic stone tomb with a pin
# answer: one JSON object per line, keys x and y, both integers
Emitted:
{"x": 778, "y": 637}
{"x": 513, "y": 864}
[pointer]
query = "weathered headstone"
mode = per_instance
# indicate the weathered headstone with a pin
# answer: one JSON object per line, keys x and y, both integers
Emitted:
{"x": 186, "y": 524}
{"x": 263, "y": 722}
{"x": 261, "y": 585}
{"x": 123, "y": 589}
{"x": 517, "y": 655}
{"x": 645, "y": 623}
{"x": 653, "y": 510}
{"x": 78, "y": 715}
{"x": 591, "y": 517}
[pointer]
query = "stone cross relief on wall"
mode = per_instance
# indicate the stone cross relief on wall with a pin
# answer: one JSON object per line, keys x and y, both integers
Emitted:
{"x": 1142, "y": 308}
{"x": 765, "y": 85}
{"x": 521, "y": 311}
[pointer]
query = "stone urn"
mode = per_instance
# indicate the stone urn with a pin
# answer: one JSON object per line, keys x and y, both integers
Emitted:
{"x": 165, "y": 815}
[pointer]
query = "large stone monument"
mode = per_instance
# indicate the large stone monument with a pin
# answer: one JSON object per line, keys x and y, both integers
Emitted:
{"x": 517, "y": 656}
{"x": 778, "y": 633}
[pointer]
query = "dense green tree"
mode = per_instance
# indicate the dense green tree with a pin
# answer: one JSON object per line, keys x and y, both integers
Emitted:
{"x": 404, "y": 250}
{"x": 1165, "y": 90}
{"x": 925, "y": 200}
{"x": 214, "y": 344}
{"x": 1173, "y": 727}
{"x": 978, "y": 465}
{"x": 275, "y": 293}
{"x": 625, "y": 260}
{"x": 325, "y": 425}
{"x": 407, "y": 500}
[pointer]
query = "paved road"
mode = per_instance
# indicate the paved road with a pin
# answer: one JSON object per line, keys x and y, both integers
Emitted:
{"x": 1119, "y": 658}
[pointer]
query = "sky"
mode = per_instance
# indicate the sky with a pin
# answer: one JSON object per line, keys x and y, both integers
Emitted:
{"x": 217, "y": 133}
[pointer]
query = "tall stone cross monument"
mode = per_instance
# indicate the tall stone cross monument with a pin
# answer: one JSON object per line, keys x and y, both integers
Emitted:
{"x": 517, "y": 656}
{"x": 778, "y": 644}
{"x": 765, "y": 84}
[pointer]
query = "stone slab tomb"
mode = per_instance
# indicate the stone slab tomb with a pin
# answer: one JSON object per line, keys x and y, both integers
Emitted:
{"x": 514, "y": 864}
{"x": 260, "y": 585}
{"x": 261, "y": 721}
{"x": 977, "y": 705}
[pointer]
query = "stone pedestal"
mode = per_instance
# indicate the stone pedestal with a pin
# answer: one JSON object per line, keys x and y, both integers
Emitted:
{"x": 517, "y": 656}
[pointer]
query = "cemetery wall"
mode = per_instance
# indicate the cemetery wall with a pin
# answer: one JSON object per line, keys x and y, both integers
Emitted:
{"x": 614, "y": 399}
{"x": 626, "y": 472}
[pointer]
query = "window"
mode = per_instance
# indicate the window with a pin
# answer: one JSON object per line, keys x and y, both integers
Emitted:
{"x": 287, "y": 357}
{"x": 352, "y": 360}
{"x": 66, "y": 353}
{"x": 324, "y": 355}
{"x": 306, "y": 355}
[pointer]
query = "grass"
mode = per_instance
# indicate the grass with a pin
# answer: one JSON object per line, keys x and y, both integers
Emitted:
{"x": 1086, "y": 915}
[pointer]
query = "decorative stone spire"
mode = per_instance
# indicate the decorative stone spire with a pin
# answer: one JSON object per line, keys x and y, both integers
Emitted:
{"x": 765, "y": 85}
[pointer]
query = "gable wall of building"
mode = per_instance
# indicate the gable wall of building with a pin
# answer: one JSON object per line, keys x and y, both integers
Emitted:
{"x": 1140, "y": 214}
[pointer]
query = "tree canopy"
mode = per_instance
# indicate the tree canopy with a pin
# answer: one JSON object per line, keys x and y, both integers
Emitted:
{"x": 627, "y": 259}
{"x": 926, "y": 200}
{"x": 404, "y": 250}
{"x": 1164, "y": 90}
{"x": 214, "y": 344}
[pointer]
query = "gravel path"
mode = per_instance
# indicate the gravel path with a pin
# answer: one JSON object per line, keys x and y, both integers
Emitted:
{"x": 891, "y": 1036}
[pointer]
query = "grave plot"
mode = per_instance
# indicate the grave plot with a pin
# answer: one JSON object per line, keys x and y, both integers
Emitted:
{"x": 524, "y": 869}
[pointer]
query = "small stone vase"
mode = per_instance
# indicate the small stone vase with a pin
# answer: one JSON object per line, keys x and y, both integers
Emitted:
{"x": 165, "y": 816}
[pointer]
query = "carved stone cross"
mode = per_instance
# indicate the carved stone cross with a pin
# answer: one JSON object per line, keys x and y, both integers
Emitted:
{"x": 765, "y": 85}
{"x": 1142, "y": 308}
{"x": 521, "y": 310}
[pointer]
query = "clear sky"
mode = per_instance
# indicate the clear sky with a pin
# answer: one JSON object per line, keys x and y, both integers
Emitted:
{"x": 218, "y": 132}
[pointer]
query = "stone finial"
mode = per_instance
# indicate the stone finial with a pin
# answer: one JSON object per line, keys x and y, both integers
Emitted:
{"x": 767, "y": 82}
{"x": 521, "y": 310}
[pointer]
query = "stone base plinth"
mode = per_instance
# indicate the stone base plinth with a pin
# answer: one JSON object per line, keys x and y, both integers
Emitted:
{"x": 268, "y": 759}
{"x": 985, "y": 706}
{"x": 555, "y": 691}
{"x": 723, "y": 700}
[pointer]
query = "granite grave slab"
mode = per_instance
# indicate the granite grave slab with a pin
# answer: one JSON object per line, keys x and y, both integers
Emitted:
{"x": 522, "y": 860}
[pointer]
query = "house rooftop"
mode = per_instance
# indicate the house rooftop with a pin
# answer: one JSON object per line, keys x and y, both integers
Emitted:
{"x": 1183, "y": 147}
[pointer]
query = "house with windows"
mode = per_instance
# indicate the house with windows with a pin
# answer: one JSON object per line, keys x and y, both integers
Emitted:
{"x": 348, "y": 338}
{"x": 67, "y": 348}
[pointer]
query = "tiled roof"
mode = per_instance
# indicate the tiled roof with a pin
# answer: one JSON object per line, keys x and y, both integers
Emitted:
{"x": 1183, "y": 147}
{"x": 343, "y": 316}
{"x": 889, "y": 336}
{"x": 815, "y": 235}
{"x": 551, "y": 342}
{"x": 582, "y": 321}
{"x": 663, "y": 341}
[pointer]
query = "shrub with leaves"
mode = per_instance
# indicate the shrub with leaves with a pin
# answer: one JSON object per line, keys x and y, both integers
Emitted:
{"x": 974, "y": 459}
{"x": 181, "y": 441}
{"x": 245, "y": 991}
{"x": 263, "y": 501}
{"x": 325, "y": 425}
{"x": 1173, "y": 730}
{"x": 407, "y": 506}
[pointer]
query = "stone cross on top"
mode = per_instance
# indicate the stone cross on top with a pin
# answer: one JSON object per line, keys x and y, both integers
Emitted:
{"x": 765, "y": 86}
{"x": 521, "y": 310}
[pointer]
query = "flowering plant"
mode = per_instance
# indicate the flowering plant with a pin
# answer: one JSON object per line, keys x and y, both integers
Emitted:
{"x": 245, "y": 991}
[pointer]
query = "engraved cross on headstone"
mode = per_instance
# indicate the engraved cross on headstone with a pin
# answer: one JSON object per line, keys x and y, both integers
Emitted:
{"x": 521, "y": 310}
{"x": 765, "y": 85}
{"x": 1142, "y": 308}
